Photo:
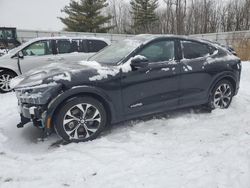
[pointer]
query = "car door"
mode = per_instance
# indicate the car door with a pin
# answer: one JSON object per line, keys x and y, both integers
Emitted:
{"x": 37, "y": 54}
{"x": 155, "y": 87}
{"x": 195, "y": 79}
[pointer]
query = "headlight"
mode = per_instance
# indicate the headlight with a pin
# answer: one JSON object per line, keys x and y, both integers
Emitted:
{"x": 40, "y": 94}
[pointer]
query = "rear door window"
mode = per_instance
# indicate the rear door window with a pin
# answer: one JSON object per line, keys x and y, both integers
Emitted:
{"x": 63, "y": 46}
{"x": 95, "y": 45}
{"x": 83, "y": 46}
{"x": 192, "y": 50}
{"x": 75, "y": 44}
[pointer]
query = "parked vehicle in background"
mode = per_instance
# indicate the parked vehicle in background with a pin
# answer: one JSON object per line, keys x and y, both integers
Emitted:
{"x": 8, "y": 39}
{"x": 43, "y": 51}
{"x": 135, "y": 77}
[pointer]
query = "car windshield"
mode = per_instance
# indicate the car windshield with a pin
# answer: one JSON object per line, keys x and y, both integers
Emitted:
{"x": 116, "y": 52}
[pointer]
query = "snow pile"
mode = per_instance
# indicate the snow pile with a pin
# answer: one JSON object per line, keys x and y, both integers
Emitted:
{"x": 165, "y": 69}
{"x": 126, "y": 67}
{"x": 187, "y": 68}
{"x": 63, "y": 76}
{"x": 104, "y": 71}
{"x": 229, "y": 57}
{"x": 180, "y": 149}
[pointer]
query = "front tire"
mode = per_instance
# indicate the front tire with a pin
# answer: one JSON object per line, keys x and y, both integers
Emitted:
{"x": 80, "y": 119}
{"x": 222, "y": 95}
{"x": 5, "y": 77}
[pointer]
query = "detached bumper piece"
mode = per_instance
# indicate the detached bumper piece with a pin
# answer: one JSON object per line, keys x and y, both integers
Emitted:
{"x": 37, "y": 115}
{"x": 33, "y": 102}
{"x": 31, "y": 111}
{"x": 23, "y": 122}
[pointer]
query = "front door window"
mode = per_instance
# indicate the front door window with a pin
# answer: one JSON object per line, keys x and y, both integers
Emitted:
{"x": 39, "y": 48}
{"x": 159, "y": 51}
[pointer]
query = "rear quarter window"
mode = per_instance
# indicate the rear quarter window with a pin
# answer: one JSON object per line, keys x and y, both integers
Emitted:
{"x": 192, "y": 50}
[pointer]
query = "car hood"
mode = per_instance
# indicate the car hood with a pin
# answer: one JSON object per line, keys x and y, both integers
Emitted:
{"x": 67, "y": 74}
{"x": 6, "y": 56}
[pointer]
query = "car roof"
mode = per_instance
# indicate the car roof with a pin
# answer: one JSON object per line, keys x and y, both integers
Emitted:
{"x": 70, "y": 38}
{"x": 145, "y": 38}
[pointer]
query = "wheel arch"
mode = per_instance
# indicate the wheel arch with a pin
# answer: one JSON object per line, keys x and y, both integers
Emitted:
{"x": 55, "y": 104}
{"x": 9, "y": 70}
{"x": 228, "y": 76}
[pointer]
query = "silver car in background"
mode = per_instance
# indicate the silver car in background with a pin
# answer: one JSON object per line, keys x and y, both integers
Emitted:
{"x": 43, "y": 51}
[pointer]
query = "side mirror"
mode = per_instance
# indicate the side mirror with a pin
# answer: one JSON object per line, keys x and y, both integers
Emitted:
{"x": 20, "y": 55}
{"x": 139, "y": 62}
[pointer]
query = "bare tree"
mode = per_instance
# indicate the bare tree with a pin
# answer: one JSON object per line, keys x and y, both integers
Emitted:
{"x": 187, "y": 16}
{"x": 121, "y": 17}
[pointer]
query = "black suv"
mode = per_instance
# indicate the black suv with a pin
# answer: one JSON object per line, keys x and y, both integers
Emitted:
{"x": 143, "y": 75}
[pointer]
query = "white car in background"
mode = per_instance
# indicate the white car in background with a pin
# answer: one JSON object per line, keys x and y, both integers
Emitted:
{"x": 43, "y": 51}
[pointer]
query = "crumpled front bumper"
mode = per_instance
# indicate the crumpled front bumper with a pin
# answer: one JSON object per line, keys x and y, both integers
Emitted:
{"x": 35, "y": 114}
{"x": 30, "y": 111}
{"x": 33, "y": 107}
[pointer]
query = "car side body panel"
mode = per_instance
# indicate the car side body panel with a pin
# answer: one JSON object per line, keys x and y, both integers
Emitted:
{"x": 153, "y": 89}
{"x": 10, "y": 64}
{"x": 111, "y": 99}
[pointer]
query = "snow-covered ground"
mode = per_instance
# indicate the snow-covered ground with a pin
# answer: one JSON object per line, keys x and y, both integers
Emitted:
{"x": 182, "y": 149}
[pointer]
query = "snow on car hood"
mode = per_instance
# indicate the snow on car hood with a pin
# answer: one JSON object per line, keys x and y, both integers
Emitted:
{"x": 84, "y": 71}
{"x": 55, "y": 72}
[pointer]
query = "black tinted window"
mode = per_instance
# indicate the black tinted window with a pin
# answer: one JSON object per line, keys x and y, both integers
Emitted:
{"x": 159, "y": 51}
{"x": 95, "y": 45}
{"x": 75, "y": 45}
{"x": 83, "y": 46}
{"x": 63, "y": 46}
{"x": 192, "y": 50}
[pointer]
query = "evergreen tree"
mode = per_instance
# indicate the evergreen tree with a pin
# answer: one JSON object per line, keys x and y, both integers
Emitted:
{"x": 85, "y": 16}
{"x": 144, "y": 16}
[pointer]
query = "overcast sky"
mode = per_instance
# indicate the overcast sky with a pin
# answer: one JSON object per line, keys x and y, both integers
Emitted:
{"x": 32, "y": 14}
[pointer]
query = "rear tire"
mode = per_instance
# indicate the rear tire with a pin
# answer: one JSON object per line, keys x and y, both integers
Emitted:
{"x": 5, "y": 77}
{"x": 80, "y": 119}
{"x": 222, "y": 95}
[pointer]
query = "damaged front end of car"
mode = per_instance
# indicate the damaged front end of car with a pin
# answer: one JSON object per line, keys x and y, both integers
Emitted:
{"x": 33, "y": 104}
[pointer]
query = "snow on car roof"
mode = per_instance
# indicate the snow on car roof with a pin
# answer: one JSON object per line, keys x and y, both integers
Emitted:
{"x": 144, "y": 38}
{"x": 71, "y": 38}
